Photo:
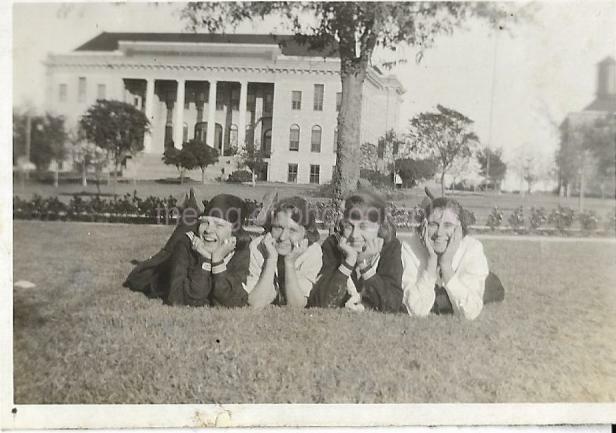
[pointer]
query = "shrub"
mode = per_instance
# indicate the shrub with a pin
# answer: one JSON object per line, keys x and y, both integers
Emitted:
{"x": 562, "y": 217}
{"x": 610, "y": 221}
{"x": 495, "y": 218}
{"x": 240, "y": 176}
{"x": 516, "y": 219}
{"x": 588, "y": 220}
{"x": 376, "y": 178}
{"x": 537, "y": 217}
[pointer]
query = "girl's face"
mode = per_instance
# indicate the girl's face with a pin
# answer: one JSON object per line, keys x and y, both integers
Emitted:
{"x": 358, "y": 231}
{"x": 214, "y": 231}
{"x": 286, "y": 232}
{"x": 441, "y": 225}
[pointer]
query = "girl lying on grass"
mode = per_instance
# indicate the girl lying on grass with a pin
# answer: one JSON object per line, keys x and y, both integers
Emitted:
{"x": 445, "y": 269}
{"x": 361, "y": 257}
{"x": 285, "y": 262}
{"x": 204, "y": 263}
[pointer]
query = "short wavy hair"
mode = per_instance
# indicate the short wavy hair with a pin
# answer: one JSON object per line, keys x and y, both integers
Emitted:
{"x": 448, "y": 203}
{"x": 301, "y": 212}
{"x": 371, "y": 206}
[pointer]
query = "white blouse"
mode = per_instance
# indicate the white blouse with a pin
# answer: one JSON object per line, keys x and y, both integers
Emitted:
{"x": 465, "y": 289}
{"x": 307, "y": 267}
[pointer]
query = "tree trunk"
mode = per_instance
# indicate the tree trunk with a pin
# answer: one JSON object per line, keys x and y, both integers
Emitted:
{"x": 56, "y": 175}
{"x": 582, "y": 182}
{"x": 84, "y": 174}
{"x": 203, "y": 176}
{"x": 443, "y": 183}
{"x": 254, "y": 178}
{"x": 346, "y": 173}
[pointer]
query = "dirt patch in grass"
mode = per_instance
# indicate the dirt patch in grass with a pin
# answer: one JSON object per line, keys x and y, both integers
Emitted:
{"x": 82, "y": 338}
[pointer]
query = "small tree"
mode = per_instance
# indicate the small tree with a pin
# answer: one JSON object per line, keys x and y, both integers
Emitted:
{"x": 413, "y": 171}
{"x": 47, "y": 140}
{"x": 253, "y": 158}
{"x": 498, "y": 168}
{"x": 88, "y": 155}
{"x": 117, "y": 127}
{"x": 444, "y": 135}
{"x": 173, "y": 156}
{"x": 201, "y": 154}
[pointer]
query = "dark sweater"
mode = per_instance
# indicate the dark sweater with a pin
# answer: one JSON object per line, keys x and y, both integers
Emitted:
{"x": 381, "y": 292}
{"x": 190, "y": 284}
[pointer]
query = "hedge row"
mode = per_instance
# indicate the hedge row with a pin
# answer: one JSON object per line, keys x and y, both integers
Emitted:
{"x": 130, "y": 208}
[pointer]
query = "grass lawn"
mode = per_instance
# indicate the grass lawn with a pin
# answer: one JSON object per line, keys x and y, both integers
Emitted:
{"x": 79, "y": 337}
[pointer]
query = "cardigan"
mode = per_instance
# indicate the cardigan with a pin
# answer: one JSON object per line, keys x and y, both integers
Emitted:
{"x": 378, "y": 287}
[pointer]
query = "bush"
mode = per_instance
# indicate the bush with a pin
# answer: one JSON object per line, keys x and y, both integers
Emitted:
{"x": 537, "y": 217}
{"x": 375, "y": 178}
{"x": 495, "y": 218}
{"x": 588, "y": 220}
{"x": 562, "y": 217}
{"x": 240, "y": 176}
{"x": 610, "y": 221}
{"x": 516, "y": 219}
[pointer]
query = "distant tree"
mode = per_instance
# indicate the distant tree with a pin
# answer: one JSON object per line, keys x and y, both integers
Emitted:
{"x": 117, "y": 127}
{"x": 202, "y": 155}
{"x": 88, "y": 155}
{"x": 182, "y": 160}
{"x": 368, "y": 156}
{"x": 253, "y": 158}
{"x": 498, "y": 168}
{"x": 444, "y": 135}
{"x": 413, "y": 171}
{"x": 353, "y": 30}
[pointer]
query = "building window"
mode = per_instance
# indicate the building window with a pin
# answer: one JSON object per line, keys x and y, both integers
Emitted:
{"x": 220, "y": 100}
{"x": 63, "y": 93}
{"x": 338, "y": 100}
{"x": 266, "y": 146}
{"x": 81, "y": 90}
{"x": 294, "y": 138}
{"x": 185, "y": 133}
{"x": 315, "y": 139}
{"x": 336, "y": 140}
{"x": 235, "y": 99}
{"x": 296, "y": 100}
{"x": 101, "y": 92}
{"x": 233, "y": 135}
{"x": 292, "y": 173}
{"x": 318, "y": 97}
{"x": 168, "y": 135}
{"x": 268, "y": 103}
{"x": 200, "y": 131}
{"x": 315, "y": 173}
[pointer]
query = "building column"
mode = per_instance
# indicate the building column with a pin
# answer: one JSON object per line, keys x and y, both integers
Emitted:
{"x": 241, "y": 129}
{"x": 211, "y": 115}
{"x": 149, "y": 113}
{"x": 260, "y": 99}
{"x": 178, "y": 125}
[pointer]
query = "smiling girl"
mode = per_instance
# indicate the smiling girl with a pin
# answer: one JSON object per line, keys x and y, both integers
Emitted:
{"x": 210, "y": 264}
{"x": 361, "y": 262}
{"x": 285, "y": 262}
{"x": 445, "y": 269}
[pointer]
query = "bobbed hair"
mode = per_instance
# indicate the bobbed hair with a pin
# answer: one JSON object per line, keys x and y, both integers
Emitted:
{"x": 448, "y": 203}
{"x": 370, "y": 206}
{"x": 300, "y": 212}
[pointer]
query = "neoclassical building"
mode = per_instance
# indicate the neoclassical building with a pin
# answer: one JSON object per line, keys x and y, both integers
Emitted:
{"x": 225, "y": 90}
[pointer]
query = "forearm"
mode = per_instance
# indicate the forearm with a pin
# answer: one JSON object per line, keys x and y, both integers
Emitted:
{"x": 263, "y": 293}
{"x": 295, "y": 297}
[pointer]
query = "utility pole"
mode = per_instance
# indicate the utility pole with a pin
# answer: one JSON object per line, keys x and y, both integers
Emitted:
{"x": 491, "y": 110}
{"x": 28, "y": 140}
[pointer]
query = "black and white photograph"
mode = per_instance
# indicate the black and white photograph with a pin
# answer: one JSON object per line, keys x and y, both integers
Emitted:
{"x": 309, "y": 214}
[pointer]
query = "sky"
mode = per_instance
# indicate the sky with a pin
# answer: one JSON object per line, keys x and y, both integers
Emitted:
{"x": 527, "y": 79}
